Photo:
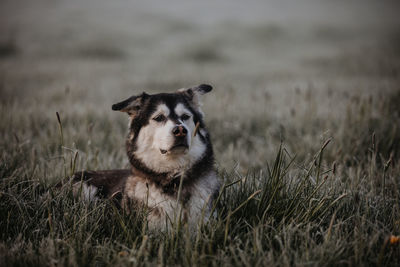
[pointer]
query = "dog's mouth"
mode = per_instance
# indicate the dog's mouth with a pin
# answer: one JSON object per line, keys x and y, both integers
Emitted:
{"x": 175, "y": 148}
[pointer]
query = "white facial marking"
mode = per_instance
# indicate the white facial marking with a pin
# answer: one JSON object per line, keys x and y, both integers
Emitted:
{"x": 157, "y": 136}
{"x": 180, "y": 110}
{"x": 161, "y": 109}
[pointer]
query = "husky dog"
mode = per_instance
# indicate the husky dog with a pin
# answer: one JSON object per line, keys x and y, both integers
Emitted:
{"x": 171, "y": 156}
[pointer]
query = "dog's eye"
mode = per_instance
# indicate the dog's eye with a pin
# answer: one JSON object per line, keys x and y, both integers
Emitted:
{"x": 159, "y": 118}
{"x": 185, "y": 117}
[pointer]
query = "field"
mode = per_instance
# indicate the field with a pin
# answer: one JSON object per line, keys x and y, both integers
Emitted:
{"x": 304, "y": 119}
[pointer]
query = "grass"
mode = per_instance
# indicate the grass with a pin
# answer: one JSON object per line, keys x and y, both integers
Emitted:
{"x": 317, "y": 212}
{"x": 304, "y": 120}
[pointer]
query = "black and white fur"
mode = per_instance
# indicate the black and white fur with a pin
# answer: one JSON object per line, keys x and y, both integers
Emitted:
{"x": 164, "y": 149}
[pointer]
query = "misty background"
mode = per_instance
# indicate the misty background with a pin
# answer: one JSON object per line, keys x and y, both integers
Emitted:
{"x": 281, "y": 70}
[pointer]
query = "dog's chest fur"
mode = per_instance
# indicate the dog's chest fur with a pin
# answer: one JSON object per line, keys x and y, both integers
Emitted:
{"x": 163, "y": 205}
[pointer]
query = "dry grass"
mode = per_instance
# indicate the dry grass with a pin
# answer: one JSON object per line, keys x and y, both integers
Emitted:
{"x": 283, "y": 89}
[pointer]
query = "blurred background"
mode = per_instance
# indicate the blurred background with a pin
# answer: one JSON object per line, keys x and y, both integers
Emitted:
{"x": 291, "y": 71}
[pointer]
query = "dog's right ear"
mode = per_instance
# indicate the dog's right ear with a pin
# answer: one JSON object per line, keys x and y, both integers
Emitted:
{"x": 131, "y": 105}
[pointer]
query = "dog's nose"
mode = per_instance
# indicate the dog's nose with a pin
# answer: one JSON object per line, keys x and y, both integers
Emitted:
{"x": 179, "y": 131}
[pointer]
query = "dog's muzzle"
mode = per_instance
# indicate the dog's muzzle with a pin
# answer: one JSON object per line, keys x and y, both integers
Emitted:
{"x": 181, "y": 141}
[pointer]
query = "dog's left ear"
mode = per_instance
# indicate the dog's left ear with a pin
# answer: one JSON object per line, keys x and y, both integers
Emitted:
{"x": 193, "y": 94}
{"x": 132, "y": 105}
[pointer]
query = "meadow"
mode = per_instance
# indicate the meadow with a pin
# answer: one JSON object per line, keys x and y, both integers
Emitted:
{"x": 304, "y": 119}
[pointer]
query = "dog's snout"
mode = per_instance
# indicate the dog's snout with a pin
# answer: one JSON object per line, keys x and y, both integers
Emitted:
{"x": 179, "y": 131}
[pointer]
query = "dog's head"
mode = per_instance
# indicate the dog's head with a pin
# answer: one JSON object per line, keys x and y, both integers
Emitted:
{"x": 167, "y": 133}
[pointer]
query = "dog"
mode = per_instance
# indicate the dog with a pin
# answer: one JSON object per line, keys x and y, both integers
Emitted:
{"x": 172, "y": 169}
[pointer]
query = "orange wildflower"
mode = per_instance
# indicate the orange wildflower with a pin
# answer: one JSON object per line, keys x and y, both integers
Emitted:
{"x": 123, "y": 253}
{"x": 394, "y": 240}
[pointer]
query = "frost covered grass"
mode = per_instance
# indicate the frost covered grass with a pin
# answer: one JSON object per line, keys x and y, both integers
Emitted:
{"x": 304, "y": 120}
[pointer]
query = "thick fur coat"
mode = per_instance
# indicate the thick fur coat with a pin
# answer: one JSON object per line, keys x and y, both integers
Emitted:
{"x": 172, "y": 163}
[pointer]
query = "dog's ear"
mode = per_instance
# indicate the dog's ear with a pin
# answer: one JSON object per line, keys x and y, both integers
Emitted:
{"x": 131, "y": 105}
{"x": 193, "y": 94}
